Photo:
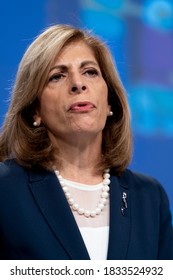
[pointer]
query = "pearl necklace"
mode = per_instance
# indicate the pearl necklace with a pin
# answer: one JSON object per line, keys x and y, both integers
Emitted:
{"x": 80, "y": 210}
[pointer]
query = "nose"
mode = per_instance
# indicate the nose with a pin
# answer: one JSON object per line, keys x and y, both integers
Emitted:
{"x": 78, "y": 88}
{"x": 77, "y": 85}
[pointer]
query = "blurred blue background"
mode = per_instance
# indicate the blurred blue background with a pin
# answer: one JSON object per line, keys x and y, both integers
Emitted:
{"x": 140, "y": 36}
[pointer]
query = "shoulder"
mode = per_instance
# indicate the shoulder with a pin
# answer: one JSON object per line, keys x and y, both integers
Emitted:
{"x": 135, "y": 179}
{"x": 12, "y": 175}
{"x": 146, "y": 186}
{"x": 149, "y": 210}
{"x": 10, "y": 168}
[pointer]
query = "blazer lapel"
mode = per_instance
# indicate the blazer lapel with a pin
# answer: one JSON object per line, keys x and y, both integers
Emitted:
{"x": 50, "y": 198}
{"x": 119, "y": 232}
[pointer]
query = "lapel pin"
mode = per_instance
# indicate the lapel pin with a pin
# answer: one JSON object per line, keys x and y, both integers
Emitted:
{"x": 124, "y": 203}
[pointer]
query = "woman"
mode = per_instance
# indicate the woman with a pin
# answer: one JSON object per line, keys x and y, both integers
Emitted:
{"x": 65, "y": 190}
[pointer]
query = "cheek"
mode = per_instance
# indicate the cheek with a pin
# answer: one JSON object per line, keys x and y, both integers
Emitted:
{"x": 105, "y": 105}
{"x": 46, "y": 110}
{"x": 47, "y": 102}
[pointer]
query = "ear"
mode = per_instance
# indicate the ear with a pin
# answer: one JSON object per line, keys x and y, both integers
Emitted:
{"x": 108, "y": 110}
{"x": 37, "y": 118}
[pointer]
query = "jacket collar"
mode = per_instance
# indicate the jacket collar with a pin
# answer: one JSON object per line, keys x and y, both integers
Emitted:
{"x": 50, "y": 199}
{"x": 119, "y": 232}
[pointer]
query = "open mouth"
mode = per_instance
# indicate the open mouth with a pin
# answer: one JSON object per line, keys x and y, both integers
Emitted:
{"x": 84, "y": 106}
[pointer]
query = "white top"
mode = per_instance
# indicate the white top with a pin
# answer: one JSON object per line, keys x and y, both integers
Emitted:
{"x": 96, "y": 241}
{"x": 94, "y": 230}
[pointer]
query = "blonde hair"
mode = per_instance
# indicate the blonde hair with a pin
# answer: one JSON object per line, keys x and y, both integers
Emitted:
{"x": 30, "y": 145}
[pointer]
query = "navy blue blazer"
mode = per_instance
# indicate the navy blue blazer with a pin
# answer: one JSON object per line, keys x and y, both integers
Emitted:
{"x": 36, "y": 221}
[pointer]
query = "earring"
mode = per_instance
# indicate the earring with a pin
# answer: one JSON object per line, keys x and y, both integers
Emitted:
{"x": 35, "y": 124}
{"x": 111, "y": 113}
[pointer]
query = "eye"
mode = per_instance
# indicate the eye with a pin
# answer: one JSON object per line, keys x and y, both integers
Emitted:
{"x": 56, "y": 77}
{"x": 92, "y": 72}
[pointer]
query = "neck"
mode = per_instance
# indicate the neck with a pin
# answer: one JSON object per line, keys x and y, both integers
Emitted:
{"x": 78, "y": 162}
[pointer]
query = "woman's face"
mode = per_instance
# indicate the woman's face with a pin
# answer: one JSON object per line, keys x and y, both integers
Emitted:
{"x": 75, "y": 98}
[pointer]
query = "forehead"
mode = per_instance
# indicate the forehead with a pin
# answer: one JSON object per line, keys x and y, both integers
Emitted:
{"x": 76, "y": 50}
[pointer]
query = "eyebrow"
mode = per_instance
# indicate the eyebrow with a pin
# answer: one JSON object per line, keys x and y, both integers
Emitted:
{"x": 83, "y": 64}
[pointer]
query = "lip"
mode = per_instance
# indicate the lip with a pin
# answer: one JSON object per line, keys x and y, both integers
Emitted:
{"x": 81, "y": 106}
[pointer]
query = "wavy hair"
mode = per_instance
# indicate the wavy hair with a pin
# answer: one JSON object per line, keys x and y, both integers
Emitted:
{"x": 29, "y": 145}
